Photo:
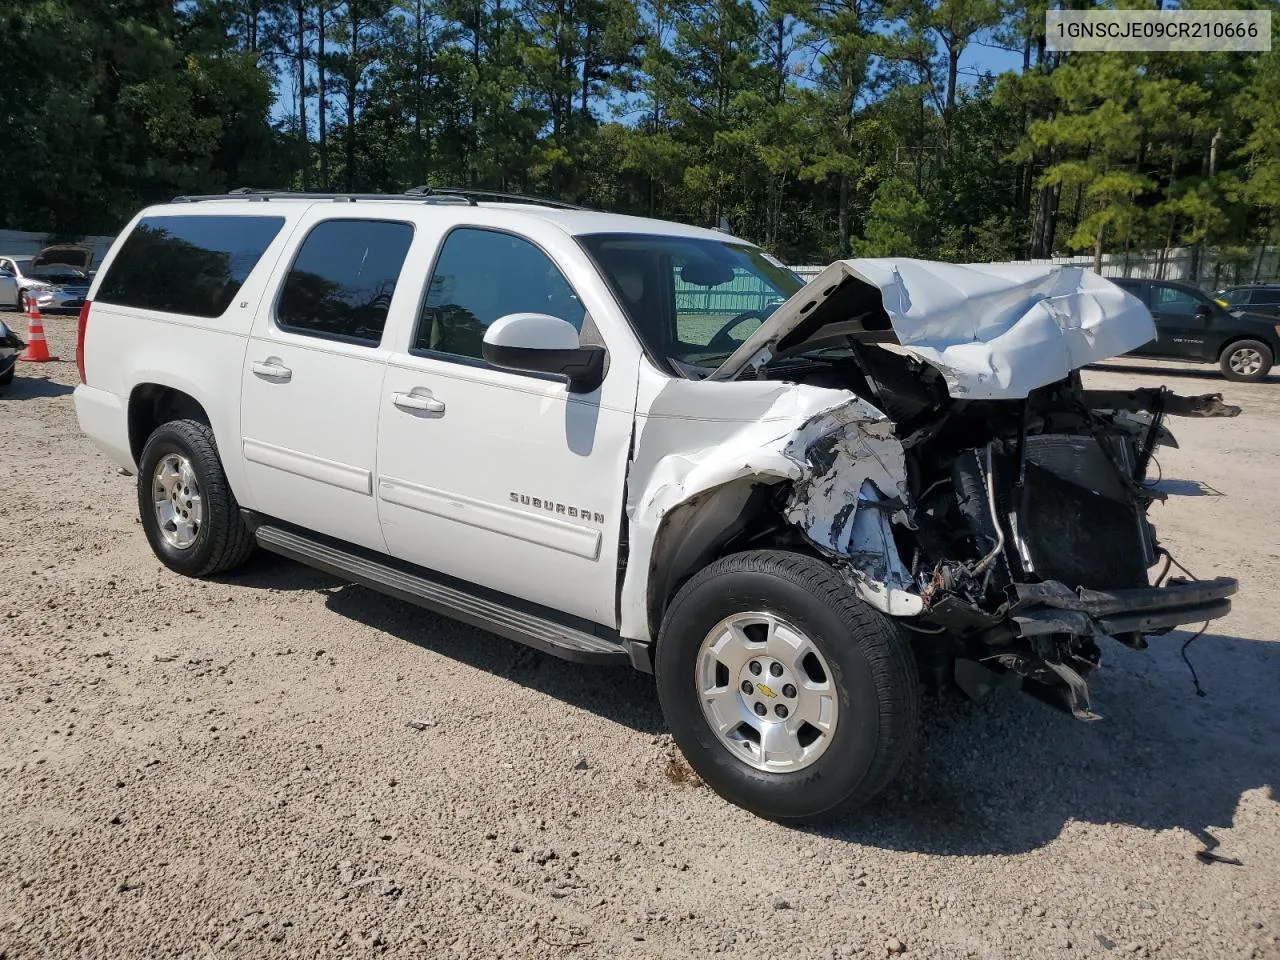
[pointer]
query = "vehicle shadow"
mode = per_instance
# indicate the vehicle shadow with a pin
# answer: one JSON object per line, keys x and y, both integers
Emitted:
{"x": 1004, "y": 776}
{"x": 621, "y": 695}
{"x": 33, "y": 388}
{"x": 1206, "y": 371}
{"x": 1007, "y": 775}
{"x": 1185, "y": 488}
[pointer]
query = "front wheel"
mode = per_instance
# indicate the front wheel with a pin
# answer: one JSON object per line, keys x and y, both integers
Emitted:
{"x": 188, "y": 511}
{"x": 24, "y": 305}
{"x": 789, "y": 695}
{"x": 1246, "y": 360}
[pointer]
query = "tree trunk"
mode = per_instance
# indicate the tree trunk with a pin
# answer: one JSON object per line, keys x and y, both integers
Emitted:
{"x": 953, "y": 69}
{"x": 322, "y": 98}
{"x": 353, "y": 81}
{"x": 1097, "y": 250}
{"x": 305, "y": 145}
{"x": 1046, "y": 223}
{"x": 473, "y": 164}
{"x": 420, "y": 174}
{"x": 843, "y": 215}
{"x": 780, "y": 59}
{"x": 588, "y": 66}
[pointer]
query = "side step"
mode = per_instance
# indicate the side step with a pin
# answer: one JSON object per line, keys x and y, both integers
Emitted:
{"x": 522, "y": 626}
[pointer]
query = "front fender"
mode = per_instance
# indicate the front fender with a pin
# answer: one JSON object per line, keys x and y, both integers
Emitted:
{"x": 826, "y": 443}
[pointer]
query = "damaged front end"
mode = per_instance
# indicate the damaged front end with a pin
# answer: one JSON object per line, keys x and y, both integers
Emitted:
{"x": 1024, "y": 532}
{"x": 1009, "y": 532}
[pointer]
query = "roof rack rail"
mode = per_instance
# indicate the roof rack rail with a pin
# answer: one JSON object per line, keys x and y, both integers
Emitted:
{"x": 479, "y": 194}
{"x": 249, "y": 193}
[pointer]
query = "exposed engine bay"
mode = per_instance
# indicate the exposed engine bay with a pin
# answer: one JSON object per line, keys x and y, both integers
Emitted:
{"x": 924, "y": 427}
{"x": 1023, "y": 528}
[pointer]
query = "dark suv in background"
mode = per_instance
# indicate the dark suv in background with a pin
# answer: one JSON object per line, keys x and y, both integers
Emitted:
{"x": 1191, "y": 326}
{"x": 1254, "y": 298}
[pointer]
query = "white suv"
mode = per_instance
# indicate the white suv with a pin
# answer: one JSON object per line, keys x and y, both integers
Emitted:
{"x": 626, "y": 440}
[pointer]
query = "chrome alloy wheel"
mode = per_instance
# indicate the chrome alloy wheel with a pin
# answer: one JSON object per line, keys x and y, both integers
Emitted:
{"x": 767, "y": 692}
{"x": 1246, "y": 361}
{"x": 177, "y": 500}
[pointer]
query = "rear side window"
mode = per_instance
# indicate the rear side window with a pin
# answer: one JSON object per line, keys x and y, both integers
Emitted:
{"x": 1268, "y": 298}
{"x": 341, "y": 283}
{"x": 192, "y": 265}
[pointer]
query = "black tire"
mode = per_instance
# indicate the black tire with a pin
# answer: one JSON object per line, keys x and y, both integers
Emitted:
{"x": 23, "y": 305}
{"x": 872, "y": 667}
{"x": 222, "y": 542}
{"x": 6, "y": 378}
{"x": 1235, "y": 350}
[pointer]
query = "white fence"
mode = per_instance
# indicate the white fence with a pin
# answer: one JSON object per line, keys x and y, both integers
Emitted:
{"x": 1218, "y": 268}
{"x": 18, "y": 243}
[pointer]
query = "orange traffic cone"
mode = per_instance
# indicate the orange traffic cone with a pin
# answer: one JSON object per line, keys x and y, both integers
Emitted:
{"x": 37, "y": 349}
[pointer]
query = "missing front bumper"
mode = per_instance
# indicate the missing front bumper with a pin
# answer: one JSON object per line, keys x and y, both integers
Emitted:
{"x": 1055, "y": 632}
{"x": 1052, "y": 607}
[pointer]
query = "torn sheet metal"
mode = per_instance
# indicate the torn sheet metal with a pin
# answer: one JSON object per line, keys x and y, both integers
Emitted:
{"x": 994, "y": 331}
{"x": 829, "y": 443}
{"x": 853, "y": 477}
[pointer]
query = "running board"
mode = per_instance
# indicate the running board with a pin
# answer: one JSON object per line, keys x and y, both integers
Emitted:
{"x": 568, "y": 643}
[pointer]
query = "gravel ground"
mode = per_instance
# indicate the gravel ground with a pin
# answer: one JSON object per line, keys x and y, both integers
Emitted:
{"x": 224, "y": 769}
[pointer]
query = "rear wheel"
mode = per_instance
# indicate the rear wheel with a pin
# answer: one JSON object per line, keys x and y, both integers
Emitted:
{"x": 787, "y": 693}
{"x": 190, "y": 515}
{"x": 1246, "y": 361}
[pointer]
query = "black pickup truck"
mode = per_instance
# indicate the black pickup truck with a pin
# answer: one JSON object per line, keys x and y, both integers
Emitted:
{"x": 1192, "y": 327}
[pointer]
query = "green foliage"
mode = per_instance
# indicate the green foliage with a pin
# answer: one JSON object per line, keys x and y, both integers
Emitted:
{"x": 818, "y": 128}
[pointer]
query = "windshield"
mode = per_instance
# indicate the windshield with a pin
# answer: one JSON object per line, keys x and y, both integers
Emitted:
{"x": 56, "y": 273}
{"x": 691, "y": 301}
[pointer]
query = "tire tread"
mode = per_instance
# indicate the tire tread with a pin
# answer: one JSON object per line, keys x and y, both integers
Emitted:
{"x": 231, "y": 540}
{"x": 888, "y": 652}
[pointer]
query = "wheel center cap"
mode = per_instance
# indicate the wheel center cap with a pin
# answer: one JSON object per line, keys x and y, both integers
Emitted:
{"x": 767, "y": 688}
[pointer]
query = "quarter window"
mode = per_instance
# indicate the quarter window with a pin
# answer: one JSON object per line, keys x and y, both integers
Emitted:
{"x": 482, "y": 275}
{"x": 190, "y": 265}
{"x": 343, "y": 278}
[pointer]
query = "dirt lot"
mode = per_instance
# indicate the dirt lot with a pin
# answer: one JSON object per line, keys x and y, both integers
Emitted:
{"x": 224, "y": 769}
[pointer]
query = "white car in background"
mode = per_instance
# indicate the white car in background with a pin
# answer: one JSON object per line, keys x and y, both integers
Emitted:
{"x": 57, "y": 277}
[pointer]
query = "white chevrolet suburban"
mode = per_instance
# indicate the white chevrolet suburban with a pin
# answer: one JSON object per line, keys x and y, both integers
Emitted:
{"x": 626, "y": 440}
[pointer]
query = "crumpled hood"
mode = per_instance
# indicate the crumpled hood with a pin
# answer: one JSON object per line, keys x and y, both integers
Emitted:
{"x": 994, "y": 331}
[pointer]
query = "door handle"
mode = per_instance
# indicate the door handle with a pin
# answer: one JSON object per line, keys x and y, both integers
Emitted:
{"x": 414, "y": 401}
{"x": 272, "y": 369}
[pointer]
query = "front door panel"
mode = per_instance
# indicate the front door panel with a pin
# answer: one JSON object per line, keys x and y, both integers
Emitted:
{"x": 1180, "y": 331}
{"x": 500, "y": 478}
{"x": 513, "y": 485}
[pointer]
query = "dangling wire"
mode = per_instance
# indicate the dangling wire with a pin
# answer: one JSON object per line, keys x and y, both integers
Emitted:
{"x": 1190, "y": 640}
{"x": 1169, "y": 561}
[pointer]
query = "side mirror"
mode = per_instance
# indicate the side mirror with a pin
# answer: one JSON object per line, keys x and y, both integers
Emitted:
{"x": 541, "y": 343}
{"x": 1204, "y": 310}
